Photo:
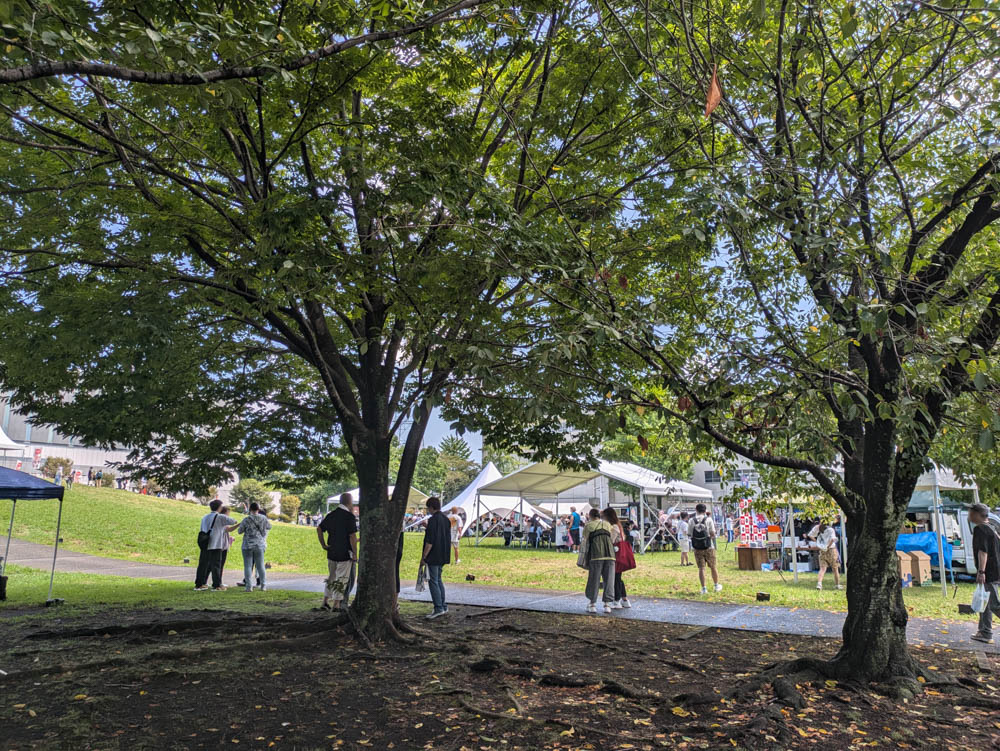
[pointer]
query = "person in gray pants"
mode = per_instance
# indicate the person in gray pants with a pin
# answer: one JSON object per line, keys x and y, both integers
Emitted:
{"x": 600, "y": 558}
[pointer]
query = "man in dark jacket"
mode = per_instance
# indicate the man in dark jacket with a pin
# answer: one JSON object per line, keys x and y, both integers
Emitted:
{"x": 437, "y": 553}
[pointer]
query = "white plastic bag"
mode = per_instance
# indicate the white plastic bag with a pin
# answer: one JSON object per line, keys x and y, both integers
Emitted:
{"x": 980, "y": 598}
{"x": 421, "y": 578}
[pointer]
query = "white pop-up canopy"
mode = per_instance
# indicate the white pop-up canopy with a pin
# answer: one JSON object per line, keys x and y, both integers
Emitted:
{"x": 546, "y": 480}
{"x": 476, "y": 505}
{"x": 6, "y": 444}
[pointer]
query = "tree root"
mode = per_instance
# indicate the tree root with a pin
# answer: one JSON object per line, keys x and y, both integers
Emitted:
{"x": 621, "y": 689}
{"x": 582, "y": 727}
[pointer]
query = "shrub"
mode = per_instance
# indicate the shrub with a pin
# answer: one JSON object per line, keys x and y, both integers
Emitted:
{"x": 52, "y": 463}
{"x": 290, "y": 507}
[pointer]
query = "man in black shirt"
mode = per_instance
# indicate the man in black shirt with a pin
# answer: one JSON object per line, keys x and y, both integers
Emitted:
{"x": 437, "y": 553}
{"x": 341, "y": 546}
{"x": 986, "y": 550}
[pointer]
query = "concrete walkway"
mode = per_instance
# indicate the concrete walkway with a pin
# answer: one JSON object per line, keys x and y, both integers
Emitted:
{"x": 802, "y": 621}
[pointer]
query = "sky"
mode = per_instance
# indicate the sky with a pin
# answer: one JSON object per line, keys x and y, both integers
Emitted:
{"x": 439, "y": 429}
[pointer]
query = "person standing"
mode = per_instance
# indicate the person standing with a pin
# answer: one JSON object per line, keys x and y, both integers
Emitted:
{"x": 456, "y": 531}
{"x": 826, "y": 541}
{"x": 254, "y": 529}
{"x": 436, "y": 554}
{"x": 683, "y": 539}
{"x": 702, "y": 530}
{"x": 341, "y": 545}
{"x": 600, "y": 559}
{"x": 574, "y": 529}
{"x": 618, "y": 537}
{"x": 986, "y": 553}
{"x": 227, "y": 538}
{"x": 729, "y": 528}
{"x": 204, "y": 531}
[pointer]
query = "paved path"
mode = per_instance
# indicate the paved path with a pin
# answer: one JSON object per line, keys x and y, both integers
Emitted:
{"x": 802, "y": 621}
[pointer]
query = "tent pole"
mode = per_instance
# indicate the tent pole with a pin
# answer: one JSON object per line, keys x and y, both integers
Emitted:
{"x": 10, "y": 529}
{"x": 642, "y": 524}
{"x": 479, "y": 523}
{"x": 55, "y": 550}
{"x": 938, "y": 523}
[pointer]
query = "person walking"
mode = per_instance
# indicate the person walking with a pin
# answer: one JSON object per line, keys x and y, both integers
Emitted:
{"x": 826, "y": 541}
{"x": 254, "y": 529}
{"x": 456, "y": 531}
{"x": 600, "y": 560}
{"x": 436, "y": 554}
{"x": 574, "y": 529}
{"x": 702, "y": 529}
{"x": 341, "y": 545}
{"x": 618, "y": 538}
{"x": 986, "y": 553}
{"x": 683, "y": 539}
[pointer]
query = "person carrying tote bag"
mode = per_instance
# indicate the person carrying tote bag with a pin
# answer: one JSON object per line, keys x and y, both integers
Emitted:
{"x": 624, "y": 557}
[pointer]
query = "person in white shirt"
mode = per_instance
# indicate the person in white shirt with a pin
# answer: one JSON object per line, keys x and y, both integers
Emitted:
{"x": 683, "y": 539}
{"x": 826, "y": 541}
{"x": 456, "y": 531}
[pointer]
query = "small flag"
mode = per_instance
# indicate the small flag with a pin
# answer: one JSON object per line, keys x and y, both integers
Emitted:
{"x": 714, "y": 93}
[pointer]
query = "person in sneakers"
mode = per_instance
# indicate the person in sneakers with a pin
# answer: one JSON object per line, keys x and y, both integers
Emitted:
{"x": 437, "y": 554}
{"x": 574, "y": 529}
{"x": 986, "y": 553}
{"x": 600, "y": 558}
{"x": 254, "y": 529}
{"x": 618, "y": 537}
{"x": 684, "y": 539}
{"x": 703, "y": 534}
{"x": 208, "y": 522}
{"x": 341, "y": 546}
{"x": 826, "y": 541}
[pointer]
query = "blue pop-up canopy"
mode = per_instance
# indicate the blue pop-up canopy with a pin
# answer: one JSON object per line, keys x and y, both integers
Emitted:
{"x": 19, "y": 486}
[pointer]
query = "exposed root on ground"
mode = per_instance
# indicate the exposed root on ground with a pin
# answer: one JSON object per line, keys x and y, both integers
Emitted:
{"x": 582, "y": 728}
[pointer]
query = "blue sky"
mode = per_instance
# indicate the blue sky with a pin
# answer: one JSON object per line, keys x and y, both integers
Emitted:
{"x": 439, "y": 429}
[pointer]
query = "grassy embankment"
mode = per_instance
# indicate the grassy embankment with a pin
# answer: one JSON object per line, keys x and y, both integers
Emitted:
{"x": 118, "y": 524}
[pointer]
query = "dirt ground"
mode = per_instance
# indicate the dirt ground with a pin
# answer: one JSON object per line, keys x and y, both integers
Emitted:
{"x": 479, "y": 680}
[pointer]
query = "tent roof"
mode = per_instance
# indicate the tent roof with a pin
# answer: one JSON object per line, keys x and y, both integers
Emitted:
{"x": 416, "y": 496}
{"x": 943, "y": 478}
{"x": 486, "y": 475}
{"x": 545, "y": 480}
{"x": 488, "y": 504}
{"x": 6, "y": 444}
{"x": 20, "y": 486}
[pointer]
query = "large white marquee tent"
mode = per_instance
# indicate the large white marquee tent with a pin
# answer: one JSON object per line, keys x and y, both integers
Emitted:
{"x": 543, "y": 482}
{"x": 476, "y": 505}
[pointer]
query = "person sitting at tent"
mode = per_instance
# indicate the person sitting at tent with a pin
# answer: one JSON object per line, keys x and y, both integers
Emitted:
{"x": 508, "y": 531}
{"x": 826, "y": 540}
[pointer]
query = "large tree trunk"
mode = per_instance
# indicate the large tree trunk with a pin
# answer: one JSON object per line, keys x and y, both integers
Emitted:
{"x": 874, "y": 647}
{"x": 381, "y": 521}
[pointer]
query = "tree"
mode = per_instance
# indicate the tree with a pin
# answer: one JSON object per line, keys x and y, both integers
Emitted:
{"x": 290, "y": 508}
{"x": 249, "y": 491}
{"x": 846, "y": 190}
{"x": 429, "y": 474}
{"x": 665, "y": 449}
{"x": 505, "y": 461}
{"x": 255, "y": 41}
{"x": 304, "y": 260}
{"x": 53, "y": 464}
{"x": 455, "y": 446}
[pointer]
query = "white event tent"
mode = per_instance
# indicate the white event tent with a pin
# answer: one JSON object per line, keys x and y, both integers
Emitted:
{"x": 544, "y": 480}
{"x": 476, "y": 505}
{"x": 415, "y": 498}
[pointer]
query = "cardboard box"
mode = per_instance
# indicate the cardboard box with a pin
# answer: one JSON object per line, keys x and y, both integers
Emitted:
{"x": 905, "y": 569}
{"x": 920, "y": 567}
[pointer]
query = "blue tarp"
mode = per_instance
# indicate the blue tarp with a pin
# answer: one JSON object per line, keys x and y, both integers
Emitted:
{"x": 19, "y": 486}
{"x": 925, "y": 542}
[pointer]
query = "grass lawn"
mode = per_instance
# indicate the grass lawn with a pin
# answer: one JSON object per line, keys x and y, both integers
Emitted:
{"x": 119, "y": 524}
{"x": 86, "y": 593}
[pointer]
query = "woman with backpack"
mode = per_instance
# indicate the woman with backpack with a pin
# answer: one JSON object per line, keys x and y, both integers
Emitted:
{"x": 598, "y": 554}
{"x": 254, "y": 529}
{"x": 620, "y": 540}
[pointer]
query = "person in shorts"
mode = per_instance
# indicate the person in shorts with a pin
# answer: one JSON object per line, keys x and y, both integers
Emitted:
{"x": 826, "y": 541}
{"x": 683, "y": 539}
{"x": 456, "y": 531}
{"x": 703, "y": 534}
{"x": 341, "y": 545}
